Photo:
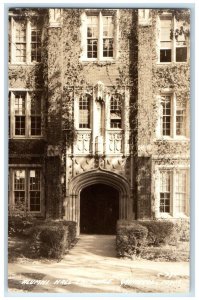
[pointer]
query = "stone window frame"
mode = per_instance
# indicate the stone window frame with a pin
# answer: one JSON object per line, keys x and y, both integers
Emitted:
{"x": 28, "y": 42}
{"x": 173, "y": 135}
{"x": 173, "y": 41}
{"x": 83, "y": 29}
{"x": 173, "y": 171}
{"x": 27, "y": 190}
{"x": 28, "y": 114}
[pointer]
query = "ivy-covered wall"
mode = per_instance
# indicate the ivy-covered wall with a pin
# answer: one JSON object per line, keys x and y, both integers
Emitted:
{"x": 155, "y": 78}
{"x": 61, "y": 74}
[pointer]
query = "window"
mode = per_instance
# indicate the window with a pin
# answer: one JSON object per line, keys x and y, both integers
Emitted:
{"x": 172, "y": 116}
{"x": 165, "y": 40}
{"x": 173, "y": 40}
{"x": 20, "y": 41}
{"x": 100, "y": 36}
{"x": 173, "y": 197}
{"x": 108, "y": 36}
{"x": 180, "y": 120}
{"x": 25, "y": 189}
{"x": 165, "y": 191}
{"x": 20, "y": 117}
{"x": 166, "y": 115}
{"x": 35, "y": 44}
{"x": 92, "y": 36}
{"x": 180, "y": 191}
{"x": 19, "y": 187}
{"x": 84, "y": 111}
{"x": 25, "y": 120}
{"x": 115, "y": 112}
{"x": 24, "y": 40}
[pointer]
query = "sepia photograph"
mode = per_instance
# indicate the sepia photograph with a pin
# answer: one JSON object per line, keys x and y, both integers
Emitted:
{"x": 99, "y": 150}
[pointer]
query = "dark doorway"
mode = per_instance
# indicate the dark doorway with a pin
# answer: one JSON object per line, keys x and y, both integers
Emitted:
{"x": 99, "y": 209}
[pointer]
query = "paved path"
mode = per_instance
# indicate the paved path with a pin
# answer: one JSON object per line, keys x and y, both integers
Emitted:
{"x": 92, "y": 267}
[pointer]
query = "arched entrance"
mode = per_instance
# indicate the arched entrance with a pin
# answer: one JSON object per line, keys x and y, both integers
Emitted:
{"x": 99, "y": 209}
{"x": 93, "y": 177}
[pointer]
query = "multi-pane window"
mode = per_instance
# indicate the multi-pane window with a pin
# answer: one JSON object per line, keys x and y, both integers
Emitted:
{"x": 116, "y": 111}
{"x": 173, "y": 40}
{"x": 25, "y": 189}
{"x": 165, "y": 191}
{"x": 180, "y": 191}
{"x": 165, "y": 40}
{"x": 35, "y": 44}
{"x": 180, "y": 120}
{"x": 25, "y": 114}
{"x": 173, "y": 191}
{"x": 84, "y": 111}
{"x": 108, "y": 31}
{"x": 20, "y": 41}
{"x": 173, "y": 122}
{"x": 92, "y": 36}
{"x": 19, "y": 187}
{"x": 24, "y": 40}
{"x": 166, "y": 115}
{"x": 100, "y": 36}
{"x": 20, "y": 116}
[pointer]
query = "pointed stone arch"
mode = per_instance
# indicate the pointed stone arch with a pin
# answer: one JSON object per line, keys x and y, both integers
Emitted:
{"x": 96, "y": 176}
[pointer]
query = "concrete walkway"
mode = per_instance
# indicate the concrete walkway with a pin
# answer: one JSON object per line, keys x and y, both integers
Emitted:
{"x": 92, "y": 267}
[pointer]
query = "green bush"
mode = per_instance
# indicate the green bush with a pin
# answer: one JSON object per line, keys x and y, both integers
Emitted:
{"x": 160, "y": 232}
{"x": 130, "y": 238}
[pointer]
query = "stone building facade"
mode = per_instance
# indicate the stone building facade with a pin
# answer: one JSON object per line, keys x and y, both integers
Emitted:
{"x": 99, "y": 114}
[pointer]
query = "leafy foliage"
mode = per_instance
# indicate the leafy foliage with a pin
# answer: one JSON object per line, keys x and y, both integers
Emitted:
{"x": 160, "y": 232}
{"x": 130, "y": 239}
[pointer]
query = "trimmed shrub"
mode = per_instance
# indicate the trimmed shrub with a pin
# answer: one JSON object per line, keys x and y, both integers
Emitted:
{"x": 160, "y": 232}
{"x": 130, "y": 238}
{"x": 72, "y": 231}
{"x": 53, "y": 241}
{"x": 51, "y": 238}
